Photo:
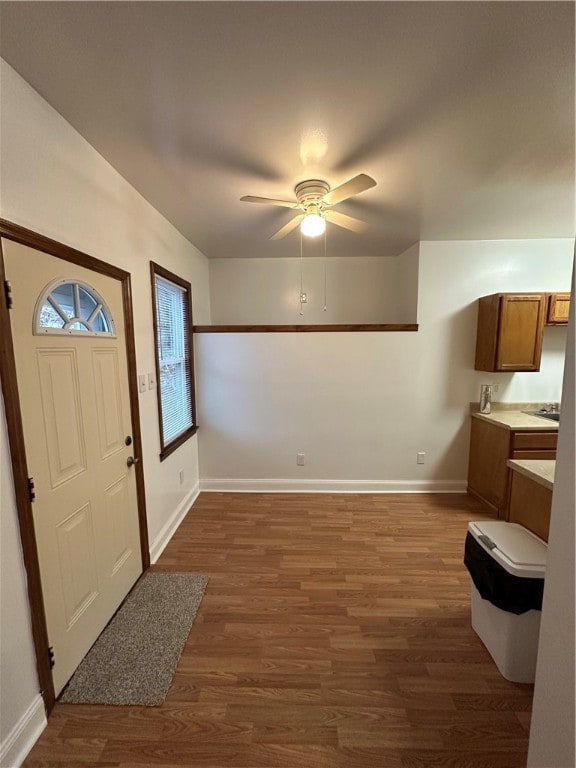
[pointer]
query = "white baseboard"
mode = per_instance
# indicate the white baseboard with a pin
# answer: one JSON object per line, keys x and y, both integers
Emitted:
{"x": 332, "y": 486}
{"x": 23, "y": 736}
{"x": 169, "y": 528}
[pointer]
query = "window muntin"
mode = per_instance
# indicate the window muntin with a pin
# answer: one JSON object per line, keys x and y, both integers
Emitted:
{"x": 72, "y": 307}
{"x": 173, "y": 342}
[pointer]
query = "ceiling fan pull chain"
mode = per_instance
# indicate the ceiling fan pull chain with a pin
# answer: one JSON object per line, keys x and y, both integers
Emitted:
{"x": 301, "y": 278}
{"x": 325, "y": 291}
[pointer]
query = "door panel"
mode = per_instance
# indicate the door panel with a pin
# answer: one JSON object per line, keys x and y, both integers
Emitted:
{"x": 118, "y": 534}
{"x": 77, "y": 562}
{"x": 61, "y": 410}
{"x": 76, "y": 414}
{"x": 108, "y": 395}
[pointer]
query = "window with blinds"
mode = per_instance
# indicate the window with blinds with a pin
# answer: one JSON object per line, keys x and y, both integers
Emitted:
{"x": 173, "y": 335}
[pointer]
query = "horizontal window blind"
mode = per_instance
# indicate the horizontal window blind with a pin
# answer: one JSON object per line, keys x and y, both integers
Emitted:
{"x": 173, "y": 345}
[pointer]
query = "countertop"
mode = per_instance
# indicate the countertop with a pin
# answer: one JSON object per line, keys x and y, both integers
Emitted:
{"x": 539, "y": 470}
{"x": 518, "y": 420}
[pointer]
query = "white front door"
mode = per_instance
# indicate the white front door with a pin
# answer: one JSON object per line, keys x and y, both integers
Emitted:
{"x": 74, "y": 396}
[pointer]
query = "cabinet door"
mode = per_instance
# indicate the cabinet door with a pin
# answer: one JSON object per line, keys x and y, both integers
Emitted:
{"x": 520, "y": 332}
{"x": 558, "y": 309}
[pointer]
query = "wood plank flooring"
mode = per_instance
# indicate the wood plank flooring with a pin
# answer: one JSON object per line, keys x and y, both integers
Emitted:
{"x": 334, "y": 633}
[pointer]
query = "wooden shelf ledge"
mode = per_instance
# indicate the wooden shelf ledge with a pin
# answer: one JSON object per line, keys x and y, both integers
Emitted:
{"x": 306, "y": 328}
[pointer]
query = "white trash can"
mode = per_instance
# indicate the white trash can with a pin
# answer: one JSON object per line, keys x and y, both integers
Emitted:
{"x": 507, "y": 564}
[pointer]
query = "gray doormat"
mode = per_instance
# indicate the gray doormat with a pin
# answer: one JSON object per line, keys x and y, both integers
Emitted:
{"x": 134, "y": 659}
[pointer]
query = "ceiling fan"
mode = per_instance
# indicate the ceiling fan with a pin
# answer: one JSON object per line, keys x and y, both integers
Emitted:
{"x": 315, "y": 198}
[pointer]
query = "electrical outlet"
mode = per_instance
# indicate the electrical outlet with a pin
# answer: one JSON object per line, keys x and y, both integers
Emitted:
{"x": 142, "y": 382}
{"x": 420, "y": 457}
{"x": 300, "y": 459}
{"x": 303, "y": 298}
{"x": 495, "y": 387}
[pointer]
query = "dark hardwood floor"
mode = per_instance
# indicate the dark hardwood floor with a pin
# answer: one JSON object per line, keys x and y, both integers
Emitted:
{"x": 334, "y": 633}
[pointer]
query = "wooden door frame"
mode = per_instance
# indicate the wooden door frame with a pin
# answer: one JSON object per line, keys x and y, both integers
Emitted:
{"x": 9, "y": 383}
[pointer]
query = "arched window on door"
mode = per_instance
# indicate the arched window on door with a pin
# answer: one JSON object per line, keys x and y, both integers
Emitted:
{"x": 72, "y": 307}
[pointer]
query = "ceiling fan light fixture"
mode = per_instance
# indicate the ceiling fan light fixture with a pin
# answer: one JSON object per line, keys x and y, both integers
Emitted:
{"x": 315, "y": 200}
{"x": 313, "y": 225}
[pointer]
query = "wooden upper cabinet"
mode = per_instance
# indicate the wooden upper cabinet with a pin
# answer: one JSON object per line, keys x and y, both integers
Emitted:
{"x": 510, "y": 328}
{"x": 558, "y": 309}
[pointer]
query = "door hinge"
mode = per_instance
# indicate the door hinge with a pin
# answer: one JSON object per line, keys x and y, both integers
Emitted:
{"x": 51, "y": 660}
{"x": 31, "y": 489}
{"x": 8, "y": 293}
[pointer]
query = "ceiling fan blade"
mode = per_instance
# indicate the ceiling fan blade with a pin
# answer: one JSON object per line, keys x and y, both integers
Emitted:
{"x": 287, "y": 228}
{"x": 341, "y": 220}
{"x": 269, "y": 201}
{"x": 352, "y": 187}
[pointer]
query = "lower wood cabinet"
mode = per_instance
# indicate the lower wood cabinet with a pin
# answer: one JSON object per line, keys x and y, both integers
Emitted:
{"x": 530, "y": 504}
{"x": 490, "y": 448}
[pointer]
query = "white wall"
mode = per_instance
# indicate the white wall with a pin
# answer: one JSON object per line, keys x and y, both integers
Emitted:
{"x": 358, "y": 290}
{"x": 552, "y": 731}
{"x": 360, "y": 405}
{"x": 56, "y": 184}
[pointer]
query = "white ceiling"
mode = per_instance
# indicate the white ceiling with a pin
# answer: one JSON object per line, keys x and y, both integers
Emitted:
{"x": 463, "y": 112}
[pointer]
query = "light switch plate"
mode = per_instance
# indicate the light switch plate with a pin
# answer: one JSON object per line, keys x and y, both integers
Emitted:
{"x": 151, "y": 380}
{"x": 142, "y": 382}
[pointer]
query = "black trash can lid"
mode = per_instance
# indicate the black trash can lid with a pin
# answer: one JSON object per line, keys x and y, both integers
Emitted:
{"x": 518, "y": 550}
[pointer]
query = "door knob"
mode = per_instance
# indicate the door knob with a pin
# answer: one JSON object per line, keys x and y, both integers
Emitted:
{"x": 130, "y": 461}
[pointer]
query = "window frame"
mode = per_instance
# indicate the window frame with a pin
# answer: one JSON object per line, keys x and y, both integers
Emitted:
{"x": 158, "y": 271}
